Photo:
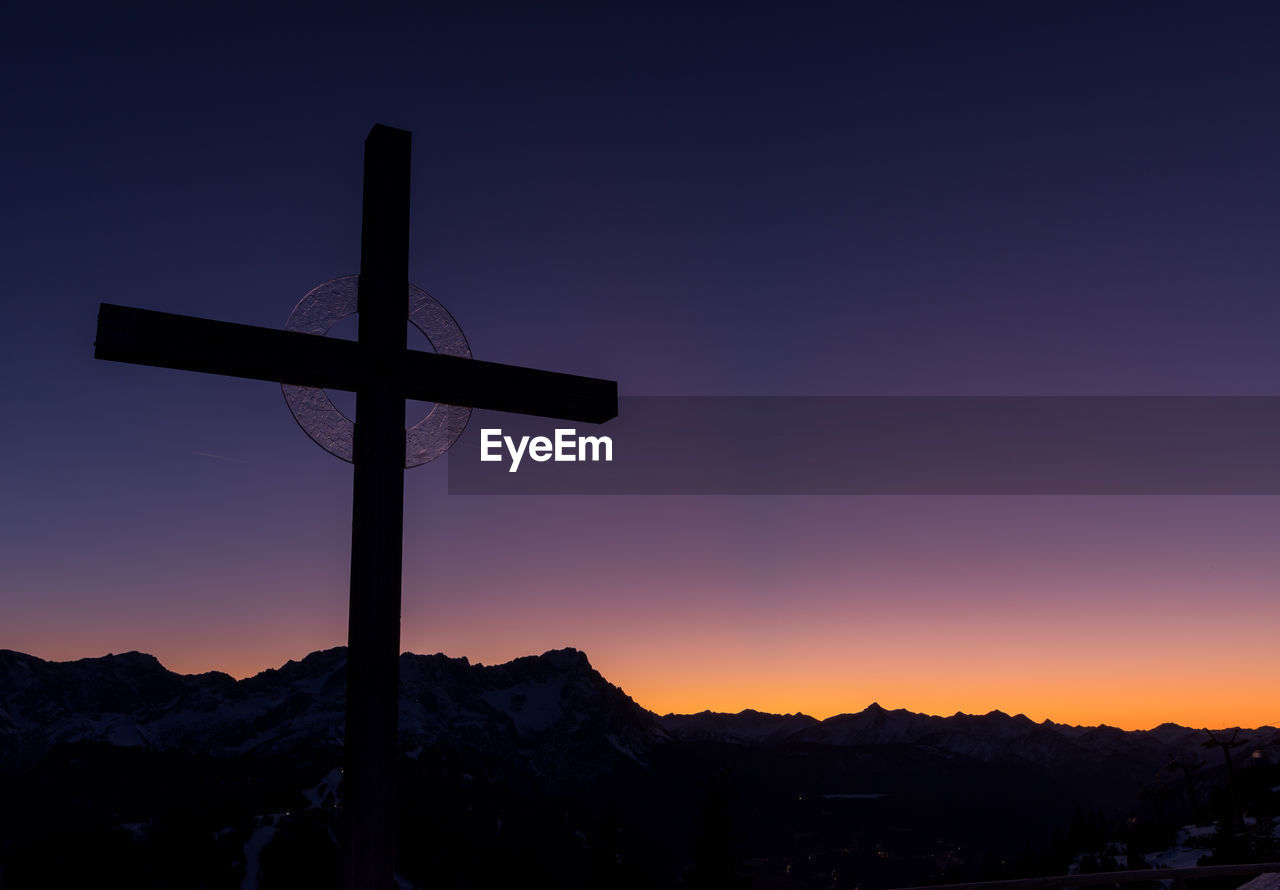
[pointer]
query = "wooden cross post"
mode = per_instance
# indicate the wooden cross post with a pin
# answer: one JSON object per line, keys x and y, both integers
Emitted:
{"x": 383, "y": 373}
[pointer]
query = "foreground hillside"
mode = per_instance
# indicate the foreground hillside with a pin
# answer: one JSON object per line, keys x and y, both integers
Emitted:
{"x": 540, "y": 766}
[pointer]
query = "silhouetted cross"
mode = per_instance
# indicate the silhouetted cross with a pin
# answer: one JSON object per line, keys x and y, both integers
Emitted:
{"x": 383, "y": 373}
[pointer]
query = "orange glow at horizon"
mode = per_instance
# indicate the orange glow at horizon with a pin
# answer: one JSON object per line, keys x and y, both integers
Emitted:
{"x": 1080, "y": 612}
{"x": 1077, "y": 678}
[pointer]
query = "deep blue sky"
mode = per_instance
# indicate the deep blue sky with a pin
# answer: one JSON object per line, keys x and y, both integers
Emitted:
{"x": 891, "y": 198}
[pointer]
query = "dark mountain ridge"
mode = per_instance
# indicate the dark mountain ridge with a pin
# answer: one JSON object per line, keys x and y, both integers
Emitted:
{"x": 556, "y": 699}
{"x": 489, "y": 752}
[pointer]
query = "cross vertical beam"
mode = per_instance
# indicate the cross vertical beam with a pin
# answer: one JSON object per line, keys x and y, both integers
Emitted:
{"x": 383, "y": 372}
{"x": 377, "y": 521}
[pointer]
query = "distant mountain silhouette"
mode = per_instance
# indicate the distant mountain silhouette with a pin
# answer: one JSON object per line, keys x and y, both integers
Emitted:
{"x": 541, "y": 765}
{"x": 132, "y": 700}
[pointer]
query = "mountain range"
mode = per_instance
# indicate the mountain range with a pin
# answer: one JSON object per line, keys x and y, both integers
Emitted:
{"x": 887, "y": 795}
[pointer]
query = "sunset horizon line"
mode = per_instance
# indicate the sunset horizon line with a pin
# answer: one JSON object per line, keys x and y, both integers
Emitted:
{"x": 686, "y": 711}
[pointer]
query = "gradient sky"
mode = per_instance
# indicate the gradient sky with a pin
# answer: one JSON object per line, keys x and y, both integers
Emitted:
{"x": 847, "y": 199}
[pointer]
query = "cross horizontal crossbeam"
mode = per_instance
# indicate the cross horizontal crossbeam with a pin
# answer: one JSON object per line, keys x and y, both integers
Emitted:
{"x": 162, "y": 339}
{"x": 382, "y": 372}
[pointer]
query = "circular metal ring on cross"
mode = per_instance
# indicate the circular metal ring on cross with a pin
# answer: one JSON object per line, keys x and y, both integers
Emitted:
{"x": 325, "y": 306}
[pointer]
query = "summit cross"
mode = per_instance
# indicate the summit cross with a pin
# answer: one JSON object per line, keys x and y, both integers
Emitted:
{"x": 383, "y": 373}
